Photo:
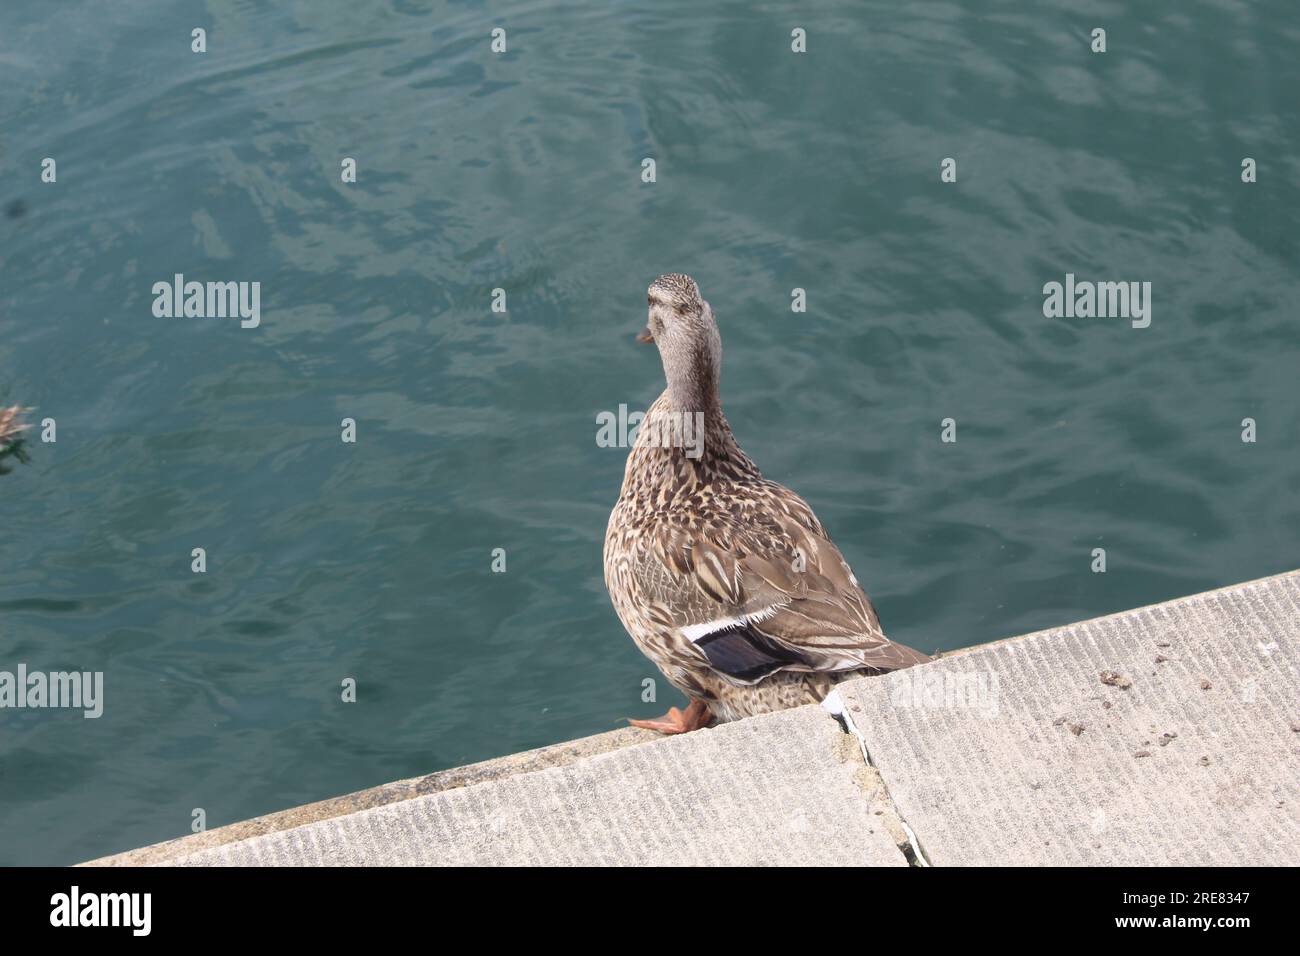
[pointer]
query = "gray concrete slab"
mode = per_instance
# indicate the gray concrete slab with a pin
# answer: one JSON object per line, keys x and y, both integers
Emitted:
{"x": 1022, "y": 752}
{"x": 553, "y": 755}
{"x": 783, "y": 789}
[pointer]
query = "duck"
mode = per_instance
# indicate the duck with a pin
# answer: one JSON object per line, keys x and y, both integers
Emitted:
{"x": 724, "y": 579}
{"x": 11, "y": 425}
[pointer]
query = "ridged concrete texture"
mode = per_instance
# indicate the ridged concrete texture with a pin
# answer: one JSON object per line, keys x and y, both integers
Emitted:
{"x": 1165, "y": 735}
{"x": 788, "y": 788}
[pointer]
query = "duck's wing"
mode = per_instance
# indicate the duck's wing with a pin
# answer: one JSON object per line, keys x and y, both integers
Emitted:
{"x": 756, "y": 586}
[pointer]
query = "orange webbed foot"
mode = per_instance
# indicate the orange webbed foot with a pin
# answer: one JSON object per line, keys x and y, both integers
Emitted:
{"x": 676, "y": 721}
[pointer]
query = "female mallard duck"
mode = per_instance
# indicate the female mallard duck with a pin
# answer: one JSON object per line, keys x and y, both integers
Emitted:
{"x": 726, "y": 580}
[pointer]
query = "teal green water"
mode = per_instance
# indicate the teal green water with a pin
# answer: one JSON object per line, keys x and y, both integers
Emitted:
{"x": 476, "y": 430}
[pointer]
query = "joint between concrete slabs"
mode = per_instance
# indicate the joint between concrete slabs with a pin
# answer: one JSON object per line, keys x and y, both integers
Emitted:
{"x": 905, "y": 838}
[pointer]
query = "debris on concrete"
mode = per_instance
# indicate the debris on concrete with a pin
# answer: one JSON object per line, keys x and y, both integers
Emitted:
{"x": 1113, "y": 679}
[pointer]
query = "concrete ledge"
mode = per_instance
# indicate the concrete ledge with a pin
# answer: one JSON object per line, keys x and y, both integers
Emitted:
{"x": 555, "y": 755}
{"x": 1162, "y": 736}
{"x": 782, "y": 789}
{"x": 1165, "y": 735}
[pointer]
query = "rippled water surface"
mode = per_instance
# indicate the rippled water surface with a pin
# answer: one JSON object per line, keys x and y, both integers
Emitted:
{"x": 477, "y": 429}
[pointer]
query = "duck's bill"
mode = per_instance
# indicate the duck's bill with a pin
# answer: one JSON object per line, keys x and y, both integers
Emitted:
{"x": 644, "y": 336}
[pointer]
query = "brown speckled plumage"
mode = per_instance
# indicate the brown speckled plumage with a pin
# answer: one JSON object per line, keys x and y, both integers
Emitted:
{"x": 725, "y": 580}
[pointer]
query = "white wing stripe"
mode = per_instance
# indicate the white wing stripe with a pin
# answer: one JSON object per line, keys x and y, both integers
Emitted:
{"x": 693, "y": 632}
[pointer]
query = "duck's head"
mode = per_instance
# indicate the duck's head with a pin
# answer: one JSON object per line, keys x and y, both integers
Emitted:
{"x": 675, "y": 306}
{"x": 681, "y": 323}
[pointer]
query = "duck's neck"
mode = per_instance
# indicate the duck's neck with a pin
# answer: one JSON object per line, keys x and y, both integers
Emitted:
{"x": 679, "y": 447}
{"x": 684, "y": 439}
{"x": 693, "y": 390}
